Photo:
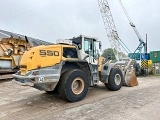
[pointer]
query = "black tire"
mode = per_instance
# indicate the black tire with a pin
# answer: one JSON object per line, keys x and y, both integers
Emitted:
{"x": 66, "y": 87}
{"x": 115, "y": 79}
{"x": 137, "y": 68}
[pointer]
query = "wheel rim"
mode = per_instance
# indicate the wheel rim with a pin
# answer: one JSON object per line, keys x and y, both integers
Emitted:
{"x": 117, "y": 79}
{"x": 77, "y": 85}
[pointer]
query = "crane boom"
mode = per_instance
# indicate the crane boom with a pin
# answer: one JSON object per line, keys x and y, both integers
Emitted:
{"x": 142, "y": 44}
{"x": 111, "y": 30}
{"x": 110, "y": 27}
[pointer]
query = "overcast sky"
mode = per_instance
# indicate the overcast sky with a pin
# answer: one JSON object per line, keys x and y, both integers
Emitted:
{"x": 50, "y": 20}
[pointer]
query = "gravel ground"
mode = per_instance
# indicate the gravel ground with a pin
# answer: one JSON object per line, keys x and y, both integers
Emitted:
{"x": 129, "y": 103}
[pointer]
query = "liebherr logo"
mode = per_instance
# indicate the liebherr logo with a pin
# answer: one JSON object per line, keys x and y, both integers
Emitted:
{"x": 45, "y": 53}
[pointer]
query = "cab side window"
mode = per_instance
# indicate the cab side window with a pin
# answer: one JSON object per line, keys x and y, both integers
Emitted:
{"x": 88, "y": 46}
{"x": 70, "y": 52}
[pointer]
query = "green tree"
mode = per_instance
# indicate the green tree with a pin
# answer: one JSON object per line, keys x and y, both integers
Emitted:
{"x": 109, "y": 53}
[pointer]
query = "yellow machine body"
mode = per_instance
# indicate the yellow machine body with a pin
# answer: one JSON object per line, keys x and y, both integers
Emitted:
{"x": 42, "y": 56}
{"x": 11, "y": 50}
{"x": 16, "y": 46}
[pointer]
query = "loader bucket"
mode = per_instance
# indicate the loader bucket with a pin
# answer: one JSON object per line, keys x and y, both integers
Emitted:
{"x": 130, "y": 79}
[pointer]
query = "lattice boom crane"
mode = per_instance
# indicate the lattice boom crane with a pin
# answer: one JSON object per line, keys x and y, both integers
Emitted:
{"x": 111, "y": 30}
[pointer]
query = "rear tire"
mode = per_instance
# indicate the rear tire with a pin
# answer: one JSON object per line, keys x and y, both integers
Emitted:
{"x": 73, "y": 85}
{"x": 115, "y": 80}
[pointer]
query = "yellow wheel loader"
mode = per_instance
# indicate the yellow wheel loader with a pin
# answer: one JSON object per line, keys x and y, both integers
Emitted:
{"x": 12, "y": 47}
{"x": 69, "y": 68}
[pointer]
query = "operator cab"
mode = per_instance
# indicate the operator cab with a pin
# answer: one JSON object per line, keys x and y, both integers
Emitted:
{"x": 87, "y": 47}
{"x": 88, "y": 51}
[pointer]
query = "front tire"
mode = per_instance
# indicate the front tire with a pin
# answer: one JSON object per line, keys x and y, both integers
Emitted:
{"x": 115, "y": 79}
{"x": 73, "y": 85}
